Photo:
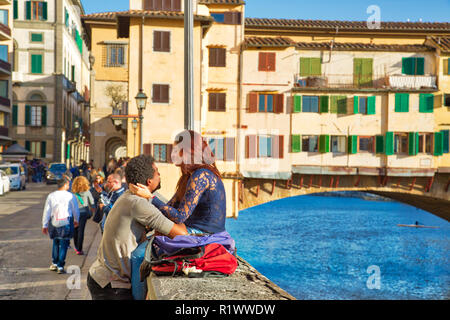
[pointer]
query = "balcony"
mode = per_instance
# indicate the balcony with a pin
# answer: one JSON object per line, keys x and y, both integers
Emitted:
{"x": 357, "y": 82}
{"x": 5, "y": 102}
{"x": 5, "y": 32}
{"x": 69, "y": 85}
{"x": 4, "y": 131}
{"x": 2, "y": 2}
{"x": 5, "y": 67}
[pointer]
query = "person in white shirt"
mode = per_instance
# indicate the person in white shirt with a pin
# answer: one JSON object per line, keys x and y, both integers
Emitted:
{"x": 60, "y": 217}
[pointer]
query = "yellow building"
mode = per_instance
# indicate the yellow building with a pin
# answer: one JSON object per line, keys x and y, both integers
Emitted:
{"x": 278, "y": 97}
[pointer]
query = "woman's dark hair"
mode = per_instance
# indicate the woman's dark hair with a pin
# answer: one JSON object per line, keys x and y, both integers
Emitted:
{"x": 140, "y": 169}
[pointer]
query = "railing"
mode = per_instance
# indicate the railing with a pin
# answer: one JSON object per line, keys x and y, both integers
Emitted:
{"x": 5, "y": 65}
{"x": 350, "y": 81}
{"x": 5, "y": 102}
{"x": 4, "y": 131}
{"x": 5, "y": 29}
{"x": 69, "y": 85}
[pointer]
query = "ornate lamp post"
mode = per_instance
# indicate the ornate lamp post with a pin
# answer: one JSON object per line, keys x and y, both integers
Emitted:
{"x": 134, "y": 124}
{"x": 141, "y": 101}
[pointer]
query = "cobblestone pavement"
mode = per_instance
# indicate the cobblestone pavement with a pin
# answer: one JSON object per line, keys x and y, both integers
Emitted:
{"x": 25, "y": 253}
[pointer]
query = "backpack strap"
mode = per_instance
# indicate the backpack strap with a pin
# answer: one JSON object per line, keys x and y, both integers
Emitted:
{"x": 80, "y": 199}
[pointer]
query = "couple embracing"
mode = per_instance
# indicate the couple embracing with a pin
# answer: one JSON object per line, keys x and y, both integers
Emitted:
{"x": 198, "y": 207}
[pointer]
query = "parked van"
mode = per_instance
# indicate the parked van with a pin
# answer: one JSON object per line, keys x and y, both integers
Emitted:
{"x": 16, "y": 174}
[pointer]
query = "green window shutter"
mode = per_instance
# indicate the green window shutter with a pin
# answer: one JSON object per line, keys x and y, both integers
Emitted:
{"x": 36, "y": 63}
{"x": 371, "y": 105}
{"x": 324, "y": 143}
{"x": 305, "y": 67}
{"x": 66, "y": 17}
{"x": 296, "y": 143}
{"x": 357, "y": 71}
{"x": 36, "y": 37}
{"x": 67, "y": 150}
{"x": 426, "y": 102}
{"x": 355, "y": 104}
{"x": 27, "y": 115}
{"x": 420, "y": 66}
{"x": 28, "y": 10}
{"x": 324, "y": 101}
{"x": 389, "y": 143}
{"x": 44, "y": 116}
{"x": 379, "y": 144}
{"x": 446, "y": 141}
{"x": 297, "y": 103}
{"x": 16, "y": 9}
{"x": 334, "y": 104}
{"x": 14, "y": 115}
{"x": 353, "y": 144}
{"x": 401, "y": 102}
{"x": 44, "y": 10}
{"x": 408, "y": 66}
{"x": 43, "y": 149}
{"x": 398, "y": 102}
{"x": 413, "y": 148}
{"x": 342, "y": 105}
{"x": 438, "y": 143}
{"x": 367, "y": 67}
{"x": 316, "y": 67}
{"x": 28, "y": 145}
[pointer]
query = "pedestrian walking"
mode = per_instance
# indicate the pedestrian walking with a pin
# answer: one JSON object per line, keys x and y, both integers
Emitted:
{"x": 86, "y": 206}
{"x": 60, "y": 217}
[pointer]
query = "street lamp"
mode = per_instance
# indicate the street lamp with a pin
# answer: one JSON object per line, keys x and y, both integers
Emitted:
{"x": 141, "y": 101}
{"x": 134, "y": 124}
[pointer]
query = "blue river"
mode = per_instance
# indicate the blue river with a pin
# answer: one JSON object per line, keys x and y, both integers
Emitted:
{"x": 328, "y": 247}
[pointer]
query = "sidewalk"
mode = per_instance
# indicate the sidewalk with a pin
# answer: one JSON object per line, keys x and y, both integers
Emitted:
{"x": 91, "y": 255}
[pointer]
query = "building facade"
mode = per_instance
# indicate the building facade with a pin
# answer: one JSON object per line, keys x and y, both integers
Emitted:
{"x": 277, "y": 98}
{"x": 51, "y": 81}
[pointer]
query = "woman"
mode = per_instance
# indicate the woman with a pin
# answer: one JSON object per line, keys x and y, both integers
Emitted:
{"x": 199, "y": 201}
{"x": 80, "y": 188}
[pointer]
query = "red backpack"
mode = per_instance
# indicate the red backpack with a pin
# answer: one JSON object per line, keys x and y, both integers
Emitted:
{"x": 211, "y": 260}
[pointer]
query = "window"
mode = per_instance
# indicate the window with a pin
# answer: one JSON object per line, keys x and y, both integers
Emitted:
{"x": 366, "y": 144}
{"x": 362, "y": 72}
{"x": 447, "y": 100}
{"x": 160, "y": 152}
{"x": 36, "y": 10}
{"x": 310, "y": 143}
{"x": 401, "y": 102}
{"x": 446, "y": 143}
{"x": 401, "y": 143}
{"x": 16, "y": 9}
{"x": 364, "y": 105}
{"x": 160, "y": 93}
{"x": 338, "y": 104}
{"x": 4, "y": 53}
{"x": 115, "y": 55}
{"x": 265, "y": 147}
{"x": 267, "y": 61}
{"x": 426, "y": 102}
{"x": 4, "y": 17}
{"x": 310, "y": 67}
{"x": 338, "y": 144}
{"x": 217, "y": 101}
{"x": 227, "y": 17}
{"x": 161, "y": 41}
{"x": 261, "y": 102}
{"x": 217, "y": 147}
{"x": 413, "y": 66}
{"x": 36, "y": 37}
{"x": 217, "y": 57}
{"x": 162, "y": 5}
{"x": 425, "y": 143}
{"x": 36, "y": 116}
{"x": 310, "y": 104}
{"x": 36, "y": 63}
{"x": 265, "y": 103}
{"x": 37, "y": 148}
{"x": 66, "y": 18}
{"x": 4, "y": 89}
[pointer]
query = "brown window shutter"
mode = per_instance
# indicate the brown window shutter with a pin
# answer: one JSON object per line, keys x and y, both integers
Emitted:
{"x": 221, "y": 58}
{"x": 176, "y": 5}
{"x": 212, "y": 57}
{"x": 221, "y": 101}
{"x": 277, "y": 147}
{"x": 148, "y": 149}
{"x": 156, "y": 97}
{"x": 165, "y": 41}
{"x": 279, "y": 103}
{"x": 157, "y": 41}
{"x": 164, "y": 89}
{"x": 157, "y": 5}
{"x": 229, "y": 149}
{"x": 271, "y": 61}
{"x": 237, "y": 18}
{"x": 228, "y": 18}
{"x": 212, "y": 101}
{"x": 169, "y": 153}
{"x": 166, "y": 5}
{"x": 251, "y": 146}
{"x": 252, "y": 102}
{"x": 262, "y": 61}
{"x": 148, "y": 4}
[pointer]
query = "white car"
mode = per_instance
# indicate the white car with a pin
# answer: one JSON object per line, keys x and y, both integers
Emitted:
{"x": 16, "y": 175}
{"x": 4, "y": 183}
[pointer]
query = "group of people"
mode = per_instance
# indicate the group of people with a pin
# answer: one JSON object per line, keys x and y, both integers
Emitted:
{"x": 131, "y": 206}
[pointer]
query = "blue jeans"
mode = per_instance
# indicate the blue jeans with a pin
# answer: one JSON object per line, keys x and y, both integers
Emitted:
{"x": 59, "y": 251}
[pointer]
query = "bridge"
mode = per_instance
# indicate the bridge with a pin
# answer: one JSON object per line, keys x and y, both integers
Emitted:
{"x": 425, "y": 190}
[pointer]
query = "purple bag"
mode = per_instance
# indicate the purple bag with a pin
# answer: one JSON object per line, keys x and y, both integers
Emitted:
{"x": 167, "y": 246}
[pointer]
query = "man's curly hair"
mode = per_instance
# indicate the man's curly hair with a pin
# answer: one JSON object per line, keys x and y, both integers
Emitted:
{"x": 139, "y": 169}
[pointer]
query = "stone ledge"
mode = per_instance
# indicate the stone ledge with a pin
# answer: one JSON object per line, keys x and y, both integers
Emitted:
{"x": 245, "y": 284}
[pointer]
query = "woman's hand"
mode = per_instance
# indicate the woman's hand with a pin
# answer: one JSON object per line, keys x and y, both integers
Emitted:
{"x": 140, "y": 190}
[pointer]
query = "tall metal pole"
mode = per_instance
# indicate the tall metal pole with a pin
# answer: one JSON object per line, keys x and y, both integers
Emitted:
{"x": 188, "y": 65}
{"x": 141, "y": 84}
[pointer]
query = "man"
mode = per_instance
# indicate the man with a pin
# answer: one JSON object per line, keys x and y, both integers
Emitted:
{"x": 60, "y": 217}
{"x": 109, "y": 277}
{"x": 114, "y": 190}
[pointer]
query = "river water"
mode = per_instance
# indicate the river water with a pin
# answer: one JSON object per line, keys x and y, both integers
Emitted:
{"x": 318, "y": 247}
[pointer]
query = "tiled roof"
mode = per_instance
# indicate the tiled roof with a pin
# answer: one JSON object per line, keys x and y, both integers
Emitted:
{"x": 269, "y": 42}
{"x": 345, "y": 25}
{"x": 442, "y": 43}
{"x": 102, "y": 15}
{"x": 221, "y": 2}
{"x": 349, "y": 46}
{"x": 139, "y": 13}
